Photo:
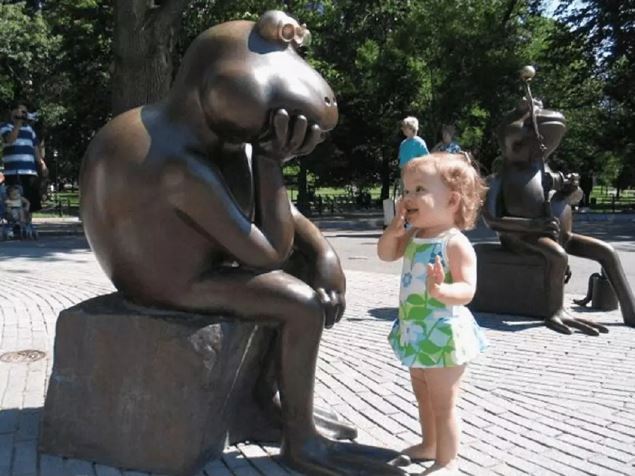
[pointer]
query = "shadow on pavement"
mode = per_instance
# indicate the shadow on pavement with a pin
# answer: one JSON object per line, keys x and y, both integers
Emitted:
{"x": 490, "y": 321}
{"x": 509, "y": 323}
{"x": 46, "y": 248}
{"x": 384, "y": 313}
{"x": 24, "y": 423}
{"x": 506, "y": 322}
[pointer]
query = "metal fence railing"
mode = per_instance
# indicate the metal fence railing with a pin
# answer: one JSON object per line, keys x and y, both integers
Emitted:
{"x": 338, "y": 204}
{"x": 59, "y": 207}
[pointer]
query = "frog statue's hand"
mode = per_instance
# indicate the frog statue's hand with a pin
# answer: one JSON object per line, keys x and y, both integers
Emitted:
{"x": 547, "y": 226}
{"x": 317, "y": 264}
{"x": 288, "y": 137}
{"x": 285, "y": 138}
{"x": 573, "y": 191}
{"x": 330, "y": 285}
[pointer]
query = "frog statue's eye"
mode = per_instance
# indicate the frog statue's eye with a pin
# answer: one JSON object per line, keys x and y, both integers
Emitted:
{"x": 278, "y": 26}
{"x": 302, "y": 35}
{"x": 286, "y": 32}
{"x": 299, "y": 34}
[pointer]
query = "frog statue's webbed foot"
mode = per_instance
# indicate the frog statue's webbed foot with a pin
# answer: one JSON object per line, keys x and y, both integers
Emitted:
{"x": 319, "y": 456}
{"x": 332, "y": 425}
{"x": 562, "y": 322}
{"x": 326, "y": 420}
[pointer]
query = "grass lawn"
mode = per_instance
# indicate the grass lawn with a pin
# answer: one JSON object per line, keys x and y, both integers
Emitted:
{"x": 67, "y": 201}
{"x": 604, "y": 198}
{"x": 70, "y": 200}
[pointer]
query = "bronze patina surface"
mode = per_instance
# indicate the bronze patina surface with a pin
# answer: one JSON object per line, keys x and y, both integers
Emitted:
{"x": 184, "y": 205}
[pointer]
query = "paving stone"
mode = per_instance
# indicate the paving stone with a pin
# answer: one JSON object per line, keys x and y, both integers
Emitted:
{"x": 613, "y": 465}
{"x": 9, "y": 418}
{"x": 260, "y": 459}
{"x": 24, "y": 458}
{"x": 479, "y": 458}
{"x": 217, "y": 468}
{"x": 28, "y": 425}
{"x": 55, "y": 466}
{"x": 6, "y": 452}
{"x": 75, "y": 467}
{"x": 579, "y": 462}
{"x": 505, "y": 470}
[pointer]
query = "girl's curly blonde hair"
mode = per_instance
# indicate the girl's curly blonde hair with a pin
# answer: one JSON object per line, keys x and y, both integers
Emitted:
{"x": 459, "y": 173}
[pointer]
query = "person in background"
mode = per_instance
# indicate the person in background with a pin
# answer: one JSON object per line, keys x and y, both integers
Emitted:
{"x": 17, "y": 206}
{"x": 447, "y": 144}
{"x": 413, "y": 145}
{"x": 3, "y": 195}
{"x": 21, "y": 155}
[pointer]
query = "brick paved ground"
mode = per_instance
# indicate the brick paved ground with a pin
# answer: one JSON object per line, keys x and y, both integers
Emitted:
{"x": 537, "y": 403}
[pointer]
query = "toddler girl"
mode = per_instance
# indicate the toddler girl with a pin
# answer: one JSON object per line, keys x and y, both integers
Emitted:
{"x": 435, "y": 334}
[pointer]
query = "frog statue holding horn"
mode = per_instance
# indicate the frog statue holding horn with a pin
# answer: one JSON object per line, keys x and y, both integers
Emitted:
{"x": 530, "y": 206}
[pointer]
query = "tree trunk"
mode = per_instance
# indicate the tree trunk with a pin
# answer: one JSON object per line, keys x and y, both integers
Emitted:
{"x": 385, "y": 176}
{"x": 143, "y": 42}
{"x": 303, "y": 195}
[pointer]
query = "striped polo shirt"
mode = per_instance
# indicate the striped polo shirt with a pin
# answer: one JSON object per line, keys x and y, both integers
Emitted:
{"x": 19, "y": 157}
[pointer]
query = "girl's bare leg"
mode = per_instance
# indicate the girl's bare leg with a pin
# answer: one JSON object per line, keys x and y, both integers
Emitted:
{"x": 426, "y": 450}
{"x": 444, "y": 386}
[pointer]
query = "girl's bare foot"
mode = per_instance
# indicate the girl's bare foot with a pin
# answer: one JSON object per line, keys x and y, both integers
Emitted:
{"x": 420, "y": 453}
{"x": 450, "y": 469}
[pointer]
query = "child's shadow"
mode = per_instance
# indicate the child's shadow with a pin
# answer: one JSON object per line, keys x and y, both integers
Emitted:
{"x": 507, "y": 322}
{"x": 384, "y": 313}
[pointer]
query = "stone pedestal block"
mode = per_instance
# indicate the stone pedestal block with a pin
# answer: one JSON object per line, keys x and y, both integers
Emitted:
{"x": 510, "y": 283}
{"x": 152, "y": 390}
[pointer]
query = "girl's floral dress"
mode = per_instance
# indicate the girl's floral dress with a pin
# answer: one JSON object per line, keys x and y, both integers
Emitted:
{"x": 428, "y": 333}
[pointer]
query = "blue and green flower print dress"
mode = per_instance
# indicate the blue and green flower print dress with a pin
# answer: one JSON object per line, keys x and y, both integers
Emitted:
{"x": 428, "y": 333}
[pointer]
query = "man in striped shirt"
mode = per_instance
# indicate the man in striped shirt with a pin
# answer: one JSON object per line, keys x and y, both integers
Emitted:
{"x": 21, "y": 155}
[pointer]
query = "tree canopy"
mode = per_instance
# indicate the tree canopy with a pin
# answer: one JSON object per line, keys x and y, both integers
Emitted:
{"x": 456, "y": 62}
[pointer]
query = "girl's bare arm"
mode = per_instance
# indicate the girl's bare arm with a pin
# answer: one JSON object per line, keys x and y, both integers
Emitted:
{"x": 462, "y": 259}
{"x": 393, "y": 241}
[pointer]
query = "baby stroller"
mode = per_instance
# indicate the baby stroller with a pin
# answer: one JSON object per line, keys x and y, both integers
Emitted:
{"x": 11, "y": 219}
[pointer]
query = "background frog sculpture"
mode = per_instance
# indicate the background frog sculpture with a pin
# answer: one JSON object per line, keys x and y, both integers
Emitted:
{"x": 529, "y": 205}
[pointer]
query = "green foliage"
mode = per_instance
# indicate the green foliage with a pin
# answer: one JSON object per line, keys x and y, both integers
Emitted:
{"x": 444, "y": 62}
{"x": 605, "y": 31}
{"x": 27, "y": 49}
{"x": 58, "y": 60}
{"x": 77, "y": 90}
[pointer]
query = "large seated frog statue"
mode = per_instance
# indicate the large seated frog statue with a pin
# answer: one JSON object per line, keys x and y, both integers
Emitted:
{"x": 529, "y": 205}
{"x": 184, "y": 205}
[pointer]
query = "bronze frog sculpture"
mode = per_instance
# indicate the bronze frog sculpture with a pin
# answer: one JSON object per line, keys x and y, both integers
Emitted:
{"x": 529, "y": 205}
{"x": 184, "y": 205}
